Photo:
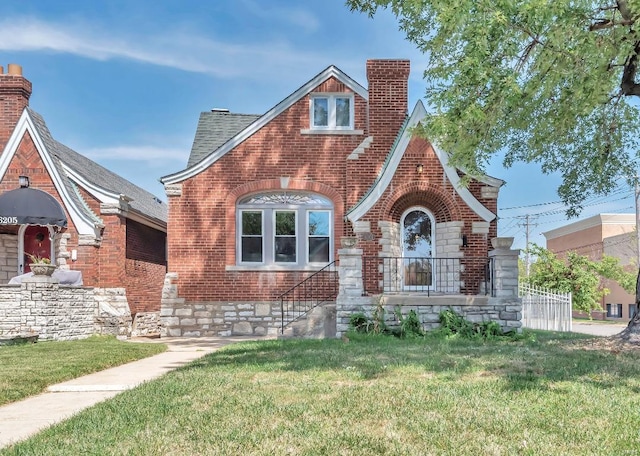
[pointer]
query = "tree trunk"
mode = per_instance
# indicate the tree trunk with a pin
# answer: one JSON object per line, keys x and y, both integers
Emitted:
{"x": 631, "y": 333}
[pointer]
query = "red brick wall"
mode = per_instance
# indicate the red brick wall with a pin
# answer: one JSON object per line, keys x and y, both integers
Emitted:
{"x": 145, "y": 267}
{"x": 202, "y": 231}
{"x": 14, "y": 97}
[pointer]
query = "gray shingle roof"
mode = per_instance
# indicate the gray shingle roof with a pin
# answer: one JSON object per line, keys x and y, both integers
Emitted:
{"x": 142, "y": 202}
{"x": 214, "y": 129}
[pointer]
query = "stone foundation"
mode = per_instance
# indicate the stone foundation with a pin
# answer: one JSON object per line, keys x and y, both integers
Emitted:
{"x": 477, "y": 309}
{"x": 146, "y": 324}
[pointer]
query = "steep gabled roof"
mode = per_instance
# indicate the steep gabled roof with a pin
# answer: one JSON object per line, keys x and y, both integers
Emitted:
{"x": 69, "y": 170}
{"x": 393, "y": 161}
{"x": 214, "y": 129}
{"x": 210, "y": 157}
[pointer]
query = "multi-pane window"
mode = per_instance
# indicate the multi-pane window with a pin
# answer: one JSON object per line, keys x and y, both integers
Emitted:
{"x": 332, "y": 112}
{"x": 614, "y": 310}
{"x": 285, "y": 228}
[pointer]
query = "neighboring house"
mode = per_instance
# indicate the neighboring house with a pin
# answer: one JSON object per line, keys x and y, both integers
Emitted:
{"x": 58, "y": 204}
{"x": 603, "y": 234}
{"x": 266, "y": 200}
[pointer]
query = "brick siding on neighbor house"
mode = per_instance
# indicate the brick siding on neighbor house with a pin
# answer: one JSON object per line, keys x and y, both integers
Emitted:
{"x": 145, "y": 267}
{"x": 128, "y": 254}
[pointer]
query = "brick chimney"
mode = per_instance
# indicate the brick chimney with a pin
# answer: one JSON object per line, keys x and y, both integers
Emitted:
{"x": 15, "y": 91}
{"x": 388, "y": 94}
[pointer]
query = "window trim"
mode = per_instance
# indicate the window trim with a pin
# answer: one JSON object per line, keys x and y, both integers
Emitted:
{"x": 331, "y": 114}
{"x": 268, "y": 210}
{"x": 241, "y": 236}
{"x": 308, "y": 235}
{"x": 295, "y": 236}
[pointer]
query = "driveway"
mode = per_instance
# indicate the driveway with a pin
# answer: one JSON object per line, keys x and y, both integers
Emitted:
{"x": 597, "y": 329}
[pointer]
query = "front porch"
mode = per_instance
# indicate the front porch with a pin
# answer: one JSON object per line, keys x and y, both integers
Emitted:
{"x": 479, "y": 289}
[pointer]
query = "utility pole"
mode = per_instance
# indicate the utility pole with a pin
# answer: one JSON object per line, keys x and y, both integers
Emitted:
{"x": 528, "y": 259}
{"x": 527, "y": 226}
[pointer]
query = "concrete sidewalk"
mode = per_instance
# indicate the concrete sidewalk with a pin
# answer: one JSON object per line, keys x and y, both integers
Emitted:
{"x": 20, "y": 420}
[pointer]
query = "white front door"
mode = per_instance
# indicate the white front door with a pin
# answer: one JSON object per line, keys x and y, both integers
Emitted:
{"x": 417, "y": 249}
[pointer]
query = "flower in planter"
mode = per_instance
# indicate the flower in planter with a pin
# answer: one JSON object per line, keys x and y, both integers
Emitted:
{"x": 36, "y": 259}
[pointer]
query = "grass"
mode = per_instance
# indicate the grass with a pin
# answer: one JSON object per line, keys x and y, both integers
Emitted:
{"x": 28, "y": 369}
{"x": 371, "y": 395}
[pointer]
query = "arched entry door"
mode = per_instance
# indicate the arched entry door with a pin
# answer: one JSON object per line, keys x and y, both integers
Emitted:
{"x": 36, "y": 241}
{"x": 417, "y": 249}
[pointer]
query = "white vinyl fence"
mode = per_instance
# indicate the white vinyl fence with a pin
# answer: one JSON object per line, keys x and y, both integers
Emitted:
{"x": 545, "y": 309}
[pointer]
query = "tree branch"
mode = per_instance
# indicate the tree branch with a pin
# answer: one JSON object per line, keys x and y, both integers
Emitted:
{"x": 628, "y": 83}
{"x": 609, "y": 23}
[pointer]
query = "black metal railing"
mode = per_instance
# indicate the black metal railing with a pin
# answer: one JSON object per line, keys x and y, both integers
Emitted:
{"x": 319, "y": 288}
{"x": 469, "y": 276}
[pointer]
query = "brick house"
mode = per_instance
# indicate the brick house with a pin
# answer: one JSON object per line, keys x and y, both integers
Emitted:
{"x": 102, "y": 225}
{"x": 266, "y": 201}
{"x": 602, "y": 234}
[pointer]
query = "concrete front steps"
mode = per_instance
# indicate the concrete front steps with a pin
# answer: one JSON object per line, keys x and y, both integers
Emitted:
{"x": 319, "y": 323}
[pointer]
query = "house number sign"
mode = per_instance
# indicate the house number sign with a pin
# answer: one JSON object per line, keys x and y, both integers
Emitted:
{"x": 8, "y": 220}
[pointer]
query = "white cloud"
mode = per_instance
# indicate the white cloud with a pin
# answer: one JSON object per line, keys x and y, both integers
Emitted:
{"x": 184, "y": 50}
{"x": 288, "y": 59}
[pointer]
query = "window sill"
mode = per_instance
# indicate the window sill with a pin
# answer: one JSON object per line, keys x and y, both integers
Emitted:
{"x": 308, "y": 131}
{"x": 274, "y": 268}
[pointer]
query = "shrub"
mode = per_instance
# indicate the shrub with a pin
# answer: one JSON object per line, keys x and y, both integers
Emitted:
{"x": 410, "y": 325}
{"x": 453, "y": 324}
{"x": 359, "y": 322}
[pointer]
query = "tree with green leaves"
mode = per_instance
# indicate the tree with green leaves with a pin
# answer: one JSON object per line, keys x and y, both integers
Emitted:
{"x": 583, "y": 277}
{"x": 551, "y": 82}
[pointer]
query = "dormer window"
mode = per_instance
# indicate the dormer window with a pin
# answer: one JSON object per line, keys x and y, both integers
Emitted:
{"x": 331, "y": 112}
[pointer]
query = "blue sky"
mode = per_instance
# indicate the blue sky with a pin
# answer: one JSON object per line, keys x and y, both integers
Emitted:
{"x": 123, "y": 82}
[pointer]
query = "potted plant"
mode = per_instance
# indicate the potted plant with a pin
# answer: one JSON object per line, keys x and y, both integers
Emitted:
{"x": 41, "y": 265}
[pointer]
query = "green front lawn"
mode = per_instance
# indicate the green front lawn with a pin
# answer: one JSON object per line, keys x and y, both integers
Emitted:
{"x": 28, "y": 369}
{"x": 372, "y": 395}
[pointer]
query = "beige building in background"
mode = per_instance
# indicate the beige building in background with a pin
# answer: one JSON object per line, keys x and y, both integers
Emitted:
{"x": 609, "y": 234}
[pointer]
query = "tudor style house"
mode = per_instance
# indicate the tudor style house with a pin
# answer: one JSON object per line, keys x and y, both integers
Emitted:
{"x": 59, "y": 205}
{"x": 267, "y": 200}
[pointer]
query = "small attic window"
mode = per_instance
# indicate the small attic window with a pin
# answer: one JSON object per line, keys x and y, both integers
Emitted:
{"x": 331, "y": 111}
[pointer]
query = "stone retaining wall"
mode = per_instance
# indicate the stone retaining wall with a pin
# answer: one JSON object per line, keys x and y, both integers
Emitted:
{"x": 40, "y": 306}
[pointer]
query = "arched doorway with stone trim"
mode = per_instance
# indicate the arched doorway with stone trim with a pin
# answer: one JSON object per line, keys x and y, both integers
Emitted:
{"x": 417, "y": 228}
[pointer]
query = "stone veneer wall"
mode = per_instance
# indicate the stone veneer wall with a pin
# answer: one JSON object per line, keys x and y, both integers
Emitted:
{"x": 505, "y": 308}
{"x": 216, "y": 318}
{"x": 112, "y": 313}
{"x": 39, "y": 305}
{"x": 506, "y": 312}
{"x": 8, "y": 257}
